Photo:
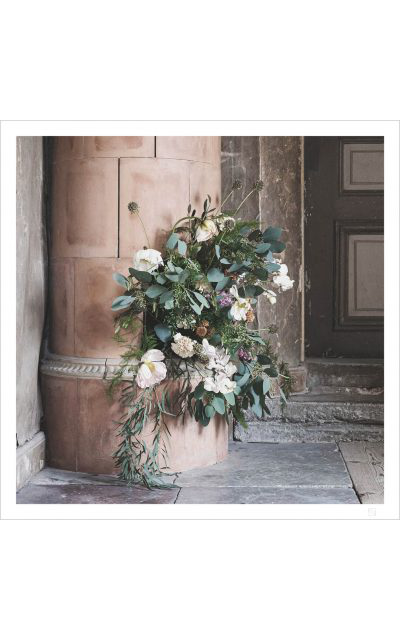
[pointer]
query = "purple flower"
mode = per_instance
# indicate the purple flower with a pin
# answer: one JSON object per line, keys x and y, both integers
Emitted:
{"x": 225, "y": 300}
{"x": 244, "y": 355}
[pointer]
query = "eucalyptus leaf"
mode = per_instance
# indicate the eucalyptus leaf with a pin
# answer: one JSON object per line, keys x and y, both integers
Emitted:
{"x": 230, "y": 397}
{"x": 215, "y": 275}
{"x": 163, "y": 332}
{"x": 263, "y": 247}
{"x": 168, "y": 295}
{"x": 182, "y": 246}
{"x": 199, "y": 390}
{"x": 121, "y": 280}
{"x": 201, "y": 299}
{"x": 277, "y": 247}
{"x": 223, "y": 284}
{"x": 273, "y": 267}
{"x": 122, "y": 302}
{"x": 155, "y": 290}
{"x": 209, "y": 411}
{"x": 172, "y": 241}
{"x": 272, "y": 233}
{"x": 142, "y": 276}
{"x": 219, "y": 405}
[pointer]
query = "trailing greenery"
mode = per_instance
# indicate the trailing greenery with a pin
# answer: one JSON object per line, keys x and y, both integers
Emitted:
{"x": 187, "y": 318}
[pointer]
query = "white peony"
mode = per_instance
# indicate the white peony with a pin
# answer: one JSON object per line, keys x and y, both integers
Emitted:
{"x": 208, "y": 349}
{"x": 183, "y": 346}
{"x": 206, "y": 230}
{"x": 220, "y": 384}
{"x": 281, "y": 280}
{"x": 151, "y": 369}
{"x": 271, "y": 296}
{"x": 240, "y": 308}
{"x": 147, "y": 260}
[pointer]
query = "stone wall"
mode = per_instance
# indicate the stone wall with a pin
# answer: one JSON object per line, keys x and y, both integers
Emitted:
{"x": 277, "y": 161}
{"x": 31, "y": 288}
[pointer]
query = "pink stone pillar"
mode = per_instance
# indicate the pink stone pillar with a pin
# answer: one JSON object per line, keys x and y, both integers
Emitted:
{"x": 92, "y": 234}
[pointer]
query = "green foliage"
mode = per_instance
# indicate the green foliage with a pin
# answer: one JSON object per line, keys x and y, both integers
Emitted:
{"x": 190, "y": 293}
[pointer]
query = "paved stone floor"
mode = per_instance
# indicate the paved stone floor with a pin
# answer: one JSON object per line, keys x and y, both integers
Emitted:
{"x": 307, "y": 473}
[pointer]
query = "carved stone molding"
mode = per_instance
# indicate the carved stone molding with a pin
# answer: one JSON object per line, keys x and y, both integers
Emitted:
{"x": 66, "y": 366}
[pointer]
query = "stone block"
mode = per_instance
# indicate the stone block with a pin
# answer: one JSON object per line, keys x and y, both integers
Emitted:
{"x": 204, "y": 180}
{"x": 62, "y": 306}
{"x": 262, "y": 495}
{"x": 84, "y": 494}
{"x": 270, "y": 465}
{"x": 96, "y": 439}
{"x": 161, "y": 189}
{"x": 60, "y": 403}
{"x": 95, "y": 289}
{"x": 30, "y": 459}
{"x": 85, "y": 208}
{"x": 197, "y": 148}
{"x": 119, "y": 146}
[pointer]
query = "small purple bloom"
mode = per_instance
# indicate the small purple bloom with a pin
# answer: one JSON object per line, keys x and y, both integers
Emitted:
{"x": 244, "y": 355}
{"x": 225, "y": 300}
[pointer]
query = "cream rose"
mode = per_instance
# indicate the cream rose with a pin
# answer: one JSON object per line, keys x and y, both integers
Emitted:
{"x": 147, "y": 260}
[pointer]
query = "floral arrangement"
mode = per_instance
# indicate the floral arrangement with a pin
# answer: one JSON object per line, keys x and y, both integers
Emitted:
{"x": 194, "y": 306}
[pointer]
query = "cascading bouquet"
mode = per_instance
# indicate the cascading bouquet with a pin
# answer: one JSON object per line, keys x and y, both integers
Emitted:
{"x": 194, "y": 305}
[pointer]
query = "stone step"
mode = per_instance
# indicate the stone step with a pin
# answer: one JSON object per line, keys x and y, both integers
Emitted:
{"x": 280, "y": 432}
{"x": 318, "y": 417}
{"x": 341, "y": 373}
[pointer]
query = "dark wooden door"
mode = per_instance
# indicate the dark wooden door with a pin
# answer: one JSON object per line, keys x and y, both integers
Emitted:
{"x": 344, "y": 247}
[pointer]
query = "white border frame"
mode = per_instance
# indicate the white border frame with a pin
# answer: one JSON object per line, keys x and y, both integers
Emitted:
{"x": 10, "y": 130}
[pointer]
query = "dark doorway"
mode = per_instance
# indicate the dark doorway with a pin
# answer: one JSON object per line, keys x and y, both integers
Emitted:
{"x": 344, "y": 247}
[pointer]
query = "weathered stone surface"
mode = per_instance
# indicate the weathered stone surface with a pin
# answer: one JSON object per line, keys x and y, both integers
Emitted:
{"x": 277, "y": 161}
{"x": 275, "y": 465}
{"x": 308, "y": 432}
{"x": 366, "y": 374}
{"x": 262, "y": 495}
{"x": 31, "y": 283}
{"x": 30, "y": 458}
{"x": 84, "y": 212}
{"x": 92, "y": 494}
{"x": 280, "y": 205}
{"x": 195, "y": 148}
{"x": 252, "y": 474}
{"x": 340, "y": 408}
{"x": 240, "y": 160}
{"x": 50, "y": 476}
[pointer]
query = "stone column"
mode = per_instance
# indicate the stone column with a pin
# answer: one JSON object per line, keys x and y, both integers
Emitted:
{"x": 93, "y": 234}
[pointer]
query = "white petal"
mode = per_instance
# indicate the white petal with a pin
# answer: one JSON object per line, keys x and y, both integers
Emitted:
{"x": 154, "y": 355}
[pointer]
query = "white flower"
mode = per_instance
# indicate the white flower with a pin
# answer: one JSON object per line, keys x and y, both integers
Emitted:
{"x": 147, "y": 260}
{"x": 220, "y": 384}
{"x": 183, "y": 346}
{"x": 208, "y": 349}
{"x": 282, "y": 280}
{"x": 239, "y": 308}
{"x": 271, "y": 296}
{"x": 151, "y": 369}
{"x": 206, "y": 230}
